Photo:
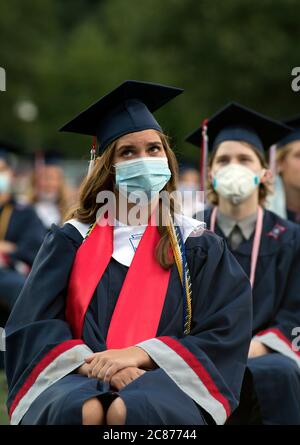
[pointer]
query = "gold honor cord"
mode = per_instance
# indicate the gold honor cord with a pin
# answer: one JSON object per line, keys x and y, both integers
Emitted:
{"x": 4, "y": 220}
{"x": 91, "y": 227}
{"x": 185, "y": 278}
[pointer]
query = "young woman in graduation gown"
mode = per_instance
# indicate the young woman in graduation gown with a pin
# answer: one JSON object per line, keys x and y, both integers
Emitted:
{"x": 128, "y": 325}
{"x": 268, "y": 249}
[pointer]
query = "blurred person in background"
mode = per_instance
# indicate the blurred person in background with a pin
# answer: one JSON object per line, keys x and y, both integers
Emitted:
{"x": 286, "y": 198}
{"x": 268, "y": 249}
{"x": 189, "y": 186}
{"x": 49, "y": 193}
{"x": 21, "y": 234}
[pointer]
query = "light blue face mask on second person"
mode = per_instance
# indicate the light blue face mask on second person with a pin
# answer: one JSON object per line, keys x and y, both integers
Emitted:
{"x": 5, "y": 183}
{"x": 147, "y": 175}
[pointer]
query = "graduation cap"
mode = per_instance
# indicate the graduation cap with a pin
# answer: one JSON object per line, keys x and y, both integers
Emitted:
{"x": 294, "y": 123}
{"x": 48, "y": 157}
{"x": 52, "y": 157}
{"x": 126, "y": 109}
{"x": 186, "y": 166}
{"x": 235, "y": 122}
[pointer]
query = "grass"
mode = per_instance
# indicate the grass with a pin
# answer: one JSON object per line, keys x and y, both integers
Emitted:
{"x": 3, "y": 394}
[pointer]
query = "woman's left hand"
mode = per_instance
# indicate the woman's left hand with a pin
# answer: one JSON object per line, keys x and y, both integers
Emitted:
{"x": 103, "y": 365}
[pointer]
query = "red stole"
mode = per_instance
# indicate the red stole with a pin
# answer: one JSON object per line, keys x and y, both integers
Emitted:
{"x": 140, "y": 303}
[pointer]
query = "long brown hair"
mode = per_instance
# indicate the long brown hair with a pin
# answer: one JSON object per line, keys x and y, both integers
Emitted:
{"x": 102, "y": 178}
{"x": 264, "y": 189}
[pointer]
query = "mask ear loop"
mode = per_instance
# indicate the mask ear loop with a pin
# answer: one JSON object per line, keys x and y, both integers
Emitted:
{"x": 93, "y": 156}
{"x": 203, "y": 157}
{"x": 260, "y": 175}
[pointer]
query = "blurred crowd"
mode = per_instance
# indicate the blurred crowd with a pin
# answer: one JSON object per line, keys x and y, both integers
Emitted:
{"x": 34, "y": 194}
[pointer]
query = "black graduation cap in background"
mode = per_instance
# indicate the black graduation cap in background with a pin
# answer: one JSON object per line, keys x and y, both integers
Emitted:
{"x": 126, "y": 109}
{"x": 294, "y": 135}
{"x": 52, "y": 157}
{"x": 46, "y": 157}
{"x": 236, "y": 122}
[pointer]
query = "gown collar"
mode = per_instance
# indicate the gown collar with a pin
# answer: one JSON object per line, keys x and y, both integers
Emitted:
{"x": 276, "y": 231}
{"x": 127, "y": 238}
{"x": 246, "y": 225}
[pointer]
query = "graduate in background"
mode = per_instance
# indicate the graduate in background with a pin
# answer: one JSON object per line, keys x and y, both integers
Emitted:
{"x": 266, "y": 246}
{"x": 21, "y": 235}
{"x": 134, "y": 322}
{"x": 286, "y": 199}
{"x": 49, "y": 191}
{"x": 189, "y": 186}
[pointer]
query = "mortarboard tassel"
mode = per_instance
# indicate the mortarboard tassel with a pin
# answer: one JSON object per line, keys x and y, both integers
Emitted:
{"x": 203, "y": 157}
{"x": 93, "y": 156}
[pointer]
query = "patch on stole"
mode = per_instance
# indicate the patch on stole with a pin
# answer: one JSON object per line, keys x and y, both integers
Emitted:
{"x": 134, "y": 240}
{"x": 277, "y": 231}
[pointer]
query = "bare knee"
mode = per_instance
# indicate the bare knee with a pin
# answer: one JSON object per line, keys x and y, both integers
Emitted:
{"x": 92, "y": 412}
{"x": 116, "y": 414}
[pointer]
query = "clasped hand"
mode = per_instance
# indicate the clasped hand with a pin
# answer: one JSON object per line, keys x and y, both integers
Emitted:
{"x": 117, "y": 366}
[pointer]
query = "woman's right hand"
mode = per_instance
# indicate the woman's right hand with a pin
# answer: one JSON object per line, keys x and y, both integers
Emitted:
{"x": 125, "y": 376}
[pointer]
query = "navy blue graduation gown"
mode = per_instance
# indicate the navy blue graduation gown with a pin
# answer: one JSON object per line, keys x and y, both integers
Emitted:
{"x": 201, "y": 372}
{"x": 276, "y": 314}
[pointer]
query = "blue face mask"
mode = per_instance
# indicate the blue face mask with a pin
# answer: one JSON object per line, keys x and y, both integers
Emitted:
{"x": 5, "y": 183}
{"x": 142, "y": 176}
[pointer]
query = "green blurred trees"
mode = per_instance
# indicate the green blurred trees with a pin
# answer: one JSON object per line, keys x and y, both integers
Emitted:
{"x": 65, "y": 55}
